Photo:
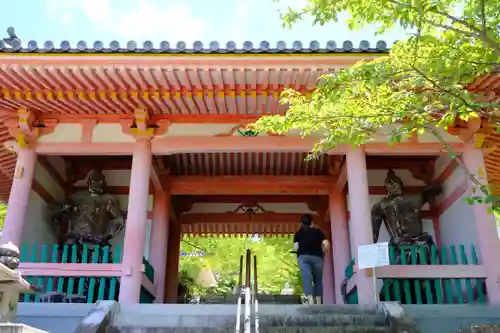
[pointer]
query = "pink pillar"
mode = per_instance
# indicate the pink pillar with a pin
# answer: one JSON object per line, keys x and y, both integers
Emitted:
{"x": 19, "y": 196}
{"x": 159, "y": 241}
{"x": 486, "y": 229}
{"x": 328, "y": 282}
{"x": 135, "y": 229}
{"x": 357, "y": 181}
{"x": 341, "y": 249}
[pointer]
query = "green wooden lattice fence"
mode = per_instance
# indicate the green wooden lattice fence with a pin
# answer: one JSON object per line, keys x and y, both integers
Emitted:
{"x": 99, "y": 287}
{"x": 430, "y": 291}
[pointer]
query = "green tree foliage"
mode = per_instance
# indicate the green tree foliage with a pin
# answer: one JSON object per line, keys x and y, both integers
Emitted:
{"x": 275, "y": 264}
{"x": 421, "y": 84}
{"x": 3, "y": 212}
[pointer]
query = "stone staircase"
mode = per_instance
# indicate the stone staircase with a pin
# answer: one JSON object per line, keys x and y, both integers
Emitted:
{"x": 273, "y": 318}
{"x": 263, "y": 299}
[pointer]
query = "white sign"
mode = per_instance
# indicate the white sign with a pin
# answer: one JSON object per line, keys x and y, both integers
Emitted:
{"x": 373, "y": 255}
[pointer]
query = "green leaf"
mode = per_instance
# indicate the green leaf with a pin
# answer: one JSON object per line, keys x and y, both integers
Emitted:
{"x": 421, "y": 85}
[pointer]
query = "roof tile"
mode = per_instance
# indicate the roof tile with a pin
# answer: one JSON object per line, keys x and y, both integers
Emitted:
{"x": 181, "y": 47}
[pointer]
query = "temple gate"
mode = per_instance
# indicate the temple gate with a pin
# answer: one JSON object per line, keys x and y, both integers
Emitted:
{"x": 168, "y": 133}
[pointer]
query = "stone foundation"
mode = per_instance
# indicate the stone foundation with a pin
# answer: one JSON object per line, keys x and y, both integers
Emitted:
{"x": 18, "y": 328}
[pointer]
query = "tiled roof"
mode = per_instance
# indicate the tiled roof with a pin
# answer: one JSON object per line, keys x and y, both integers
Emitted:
{"x": 214, "y": 47}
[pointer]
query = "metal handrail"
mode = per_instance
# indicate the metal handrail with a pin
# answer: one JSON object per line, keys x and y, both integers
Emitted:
{"x": 239, "y": 289}
{"x": 250, "y": 292}
{"x": 255, "y": 295}
{"x": 248, "y": 310}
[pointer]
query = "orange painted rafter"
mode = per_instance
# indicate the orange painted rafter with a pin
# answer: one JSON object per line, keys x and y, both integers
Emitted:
{"x": 239, "y": 218}
{"x": 172, "y": 118}
{"x": 250, "y": 185}
{"x": 223, "y": 90}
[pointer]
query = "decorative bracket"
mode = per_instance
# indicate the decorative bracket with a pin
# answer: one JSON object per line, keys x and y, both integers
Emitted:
{"x": 241, "y": 129}
{"x": 27, "y": 128}
{"x": 250, "y": 209}
{"x": 142, "y": 128}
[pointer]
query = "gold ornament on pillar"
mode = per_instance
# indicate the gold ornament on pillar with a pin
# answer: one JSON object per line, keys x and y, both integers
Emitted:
{"x": 19, "y": 172}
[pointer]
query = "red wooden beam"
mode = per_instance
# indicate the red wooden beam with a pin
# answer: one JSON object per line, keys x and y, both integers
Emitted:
{"x": 246, "y": 185}
{"x": 248, "y": 198}
{"x": 192, "y": 144}
{"x": 224, "y": 218}
{"x": 386, "y": 162}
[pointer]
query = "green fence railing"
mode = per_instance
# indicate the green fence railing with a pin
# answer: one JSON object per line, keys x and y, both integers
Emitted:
{"x": 92, "y": 288}
{"x": 429, "y": 291}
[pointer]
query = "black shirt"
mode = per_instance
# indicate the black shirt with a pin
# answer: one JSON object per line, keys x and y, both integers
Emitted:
{"x": 310, "y": 240}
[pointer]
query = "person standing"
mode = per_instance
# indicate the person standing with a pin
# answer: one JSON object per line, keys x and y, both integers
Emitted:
{"x": 311, "y": 246}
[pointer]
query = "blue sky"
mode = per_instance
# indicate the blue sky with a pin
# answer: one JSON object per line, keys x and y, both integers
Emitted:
{"x": 171, "y": 20}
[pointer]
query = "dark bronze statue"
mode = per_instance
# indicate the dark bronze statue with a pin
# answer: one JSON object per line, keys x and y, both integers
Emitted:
{"x": 401, "y": 215}
{"x": 400, "y": 212}
{"x": 87, "y": 220}
{"x": 91, "y": 217}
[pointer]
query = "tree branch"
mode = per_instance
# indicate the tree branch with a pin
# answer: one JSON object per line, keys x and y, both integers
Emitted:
{"x": 483, "y": 18}
{"x": 459, "y": 31}
{"x": 435, "y": 84}
{"x": 459, "y": 161}
{"x": 479, "y": 32}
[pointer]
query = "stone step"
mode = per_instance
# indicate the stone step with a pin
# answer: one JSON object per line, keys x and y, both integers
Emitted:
{"x": 344, "y": 329}
{"x": 263, "y": 299}
{"x": 264, "y": 320}
{"x": 324, "y": 320}
{"x": 272, "y": 319}
{"x": 18, "y": 328}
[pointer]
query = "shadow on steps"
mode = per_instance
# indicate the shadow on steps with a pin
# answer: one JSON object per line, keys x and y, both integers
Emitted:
{"x": 272, "y": 319}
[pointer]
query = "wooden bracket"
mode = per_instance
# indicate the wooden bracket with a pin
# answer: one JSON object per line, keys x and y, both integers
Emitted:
{"x": 142, "y": 123}
{"x": 27, "y": 128}
{"x": 141, "y": 127}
